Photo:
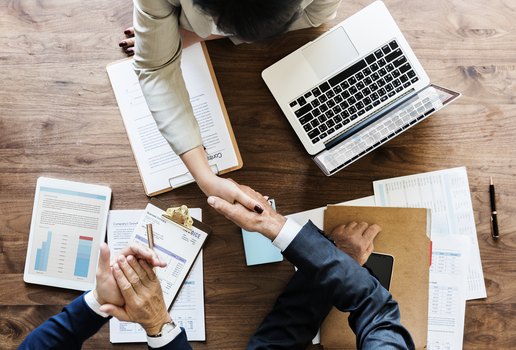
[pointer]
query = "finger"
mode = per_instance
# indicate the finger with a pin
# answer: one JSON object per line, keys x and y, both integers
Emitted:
{"x": 136, "y": 266}
{"x": 123, "y": 284}
{"x": 115, "y": 311}
{"x": 151, "y": 275}
{"x": 223, "y": 207}
{"x": 129, "y": 31}
{"x": 104, "y": 263}
{"x": 143, "y": 252}
{"x": 249, "y": 202}
{"x": 129, "y": 273}
{"x": 371, "y": 232}
{"x": 361, "y": 227}
{"x": 126, "y": 43}
{"x": 351, "y": 225}
{"x": 129, "y": 51}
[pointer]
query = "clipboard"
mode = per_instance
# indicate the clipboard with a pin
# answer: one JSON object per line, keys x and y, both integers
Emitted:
{"x": 178, "y": 240}
{"x": 161, "y": 170}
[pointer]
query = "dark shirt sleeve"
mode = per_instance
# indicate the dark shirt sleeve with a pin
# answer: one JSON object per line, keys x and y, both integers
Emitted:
{"x": 66, "y": 330}
{"x": 343, "y": 283}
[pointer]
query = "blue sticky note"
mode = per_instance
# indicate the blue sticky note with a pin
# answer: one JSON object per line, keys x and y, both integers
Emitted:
{"x": 258, "y": 248}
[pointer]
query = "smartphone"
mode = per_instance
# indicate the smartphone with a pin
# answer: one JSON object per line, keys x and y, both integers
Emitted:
{"x": 380, "y": 266}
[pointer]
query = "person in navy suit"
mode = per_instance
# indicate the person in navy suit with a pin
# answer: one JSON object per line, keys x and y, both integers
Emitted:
{"x": 329, "y": 274}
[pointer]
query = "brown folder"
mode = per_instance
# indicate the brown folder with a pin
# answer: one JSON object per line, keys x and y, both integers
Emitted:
{"x": 403, "y": 235}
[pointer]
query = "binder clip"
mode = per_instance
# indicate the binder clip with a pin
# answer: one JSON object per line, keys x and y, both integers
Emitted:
{"x": 180, "y": 216}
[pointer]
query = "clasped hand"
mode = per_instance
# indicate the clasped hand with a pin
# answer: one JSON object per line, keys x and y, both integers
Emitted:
{"x": 130, "y": 290}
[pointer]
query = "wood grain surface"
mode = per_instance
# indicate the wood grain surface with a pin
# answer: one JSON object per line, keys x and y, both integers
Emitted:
{"x": 59, "y": 118}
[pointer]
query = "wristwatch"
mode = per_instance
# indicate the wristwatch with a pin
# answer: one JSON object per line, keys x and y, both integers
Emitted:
{"x": 165, "y": 329}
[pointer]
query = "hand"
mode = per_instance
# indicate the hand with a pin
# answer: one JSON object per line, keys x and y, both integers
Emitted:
{"x": 268, "y": 223}
{"x": 212, "y": 185}
{"x": 356, "y": 239}
{"x": 141, "y": 291}
{"x": 106, "y": 289}
{"x": 127, "y": 44}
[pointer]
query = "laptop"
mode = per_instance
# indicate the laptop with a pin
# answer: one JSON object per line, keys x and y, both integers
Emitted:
{"x": 354, "y": 88}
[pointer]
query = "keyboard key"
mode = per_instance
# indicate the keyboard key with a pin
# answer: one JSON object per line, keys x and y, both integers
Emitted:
{"x": 360, "y": 85}
{"x": 315, "y": 123}
{"x": 323, "y": 128}
{"x": 413, "y": 80}
{"x": 375, "y": 76}
{"x": 404, "y": 78}
{"x": 315, "y": 103}
{"x": 330, "y": 123}
{"x": 316, "y": 92}
{"x": 386, "y": 49}
{"x": 382, "y": 72}
{"x": 307, "y": 127}
{"x": 306, "y": 118}
{"x": 368, "y": 107}
{"x": 390, "y": 94}
{"x": 314, "y": 133}
{"x": 338, "y": 126}
{"x": 353, "y": 90}
{"x": 407, "y": 84}
{"x": 393, "y": 55}
{"x": 323, "y": 135}
{"x": 366, "y": 91}
{"x": 382, "y": 62}
{"x": 359, "y": 105}
{"x": 352, "y": 80}
{"x": 330, "y": 94}
{"x": 315, "y": 140}
{"x": 308, "y": 94}
{"x": 393, "y": 44}
{"x": 378, "y": 54}
{"x": 293, "y": 103}
{"x": 351, "y": 100}
{"x": 380, "y": 82}
{"x": 359, "y": 76}
{"x": 370, "y": 59}
{"x": 330, "y": 131}
{"x": 396, "y": 73}
{"x": 403, "y": 69}
{"x": 389, "y": 87}
{"x": 345, "y": 74}
{"x": 345, "y": 114}
{"x": 383, "y": 98}
{"x": 301, "y": 101}
{"x": 388, "y": 78}
{"x": 354, "y": 116}
{"x": 323, "y": 108}
{"x": 396, "y": 83}
{"x": 303, "y": 110}
{"x": 338, "y": 118}
{"x": 338, "y": 99}
{"x": 330, "y": 103}
{"x": 329, "y": 114}
{"x": 411, "y": 74}
{"x": 322, "y": 98}
{"x": 345, "y": 94}
{"x": 398, "y": 89}
{"x": 346, "y": 121}
{"x": 374, "y": 67}
{"x": 382, "y": 91}
{"x": 316, "y": 112}
{"x": 337, "y": 89}
{"x": 324, "y": 87}
{"x": 337, "y": 109}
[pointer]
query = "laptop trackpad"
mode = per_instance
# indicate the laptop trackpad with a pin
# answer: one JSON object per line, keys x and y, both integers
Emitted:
{"x": 330, "y": 53}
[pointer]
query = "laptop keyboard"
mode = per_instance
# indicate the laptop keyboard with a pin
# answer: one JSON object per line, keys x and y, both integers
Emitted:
{"x": 336, "y": 103}
{"x": 370, "y": 138}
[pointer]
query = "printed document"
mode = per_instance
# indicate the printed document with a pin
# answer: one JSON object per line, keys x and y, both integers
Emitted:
{"x": 447, "y": 193}
{"x": 160, "y": 168}
{"x": 188, "y": 308}
{"x": 447, "y": 292}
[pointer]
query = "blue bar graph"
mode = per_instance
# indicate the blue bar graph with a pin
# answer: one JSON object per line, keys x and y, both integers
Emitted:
{"x": 82, "y": 261}
{"x": 42, "y": 254}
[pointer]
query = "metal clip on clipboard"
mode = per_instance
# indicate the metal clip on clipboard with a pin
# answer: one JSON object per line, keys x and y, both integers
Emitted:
{"x": 179, "y": 216}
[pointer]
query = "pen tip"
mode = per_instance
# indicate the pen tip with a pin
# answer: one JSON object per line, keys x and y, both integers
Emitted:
{"x": 491, "y": 180}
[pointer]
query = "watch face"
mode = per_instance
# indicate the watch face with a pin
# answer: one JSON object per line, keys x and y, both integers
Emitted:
{"x": 168, "y": 327}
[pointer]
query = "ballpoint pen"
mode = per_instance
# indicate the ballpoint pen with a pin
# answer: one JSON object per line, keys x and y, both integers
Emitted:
{"x": 492, "y": 199}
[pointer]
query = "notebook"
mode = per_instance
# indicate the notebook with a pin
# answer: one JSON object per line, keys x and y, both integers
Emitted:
{"x": 160, "y": 168}
{"x": 353, "y": 89}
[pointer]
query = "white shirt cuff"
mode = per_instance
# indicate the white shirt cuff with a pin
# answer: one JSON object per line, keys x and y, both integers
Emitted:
{"x": 287, "y": 234}
{"x": 164, "y": 339}
{"x": 90, "y": 300}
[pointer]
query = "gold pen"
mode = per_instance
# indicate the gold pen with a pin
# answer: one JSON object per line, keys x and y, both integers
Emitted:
{"x": 150, "y": 236}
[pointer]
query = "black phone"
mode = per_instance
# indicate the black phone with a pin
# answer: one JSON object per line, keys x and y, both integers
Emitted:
{"x": 380, "y": 266}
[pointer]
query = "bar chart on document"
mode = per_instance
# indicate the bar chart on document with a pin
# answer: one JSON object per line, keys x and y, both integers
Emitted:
{"x": 70, "y": 257}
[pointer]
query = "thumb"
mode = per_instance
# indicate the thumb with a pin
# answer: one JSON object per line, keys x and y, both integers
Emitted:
{"x": 115, "y": 311}
{"x": 220, "y": 205}
{"x": 104, "y": 257}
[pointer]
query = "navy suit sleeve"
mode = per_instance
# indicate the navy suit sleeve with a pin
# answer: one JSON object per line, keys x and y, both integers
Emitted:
{"x": 328, "y": 277}
{"x": 66, "y": 330}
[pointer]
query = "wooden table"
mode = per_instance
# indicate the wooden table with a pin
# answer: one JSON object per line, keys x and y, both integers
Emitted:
{"x": 59, "y": 118}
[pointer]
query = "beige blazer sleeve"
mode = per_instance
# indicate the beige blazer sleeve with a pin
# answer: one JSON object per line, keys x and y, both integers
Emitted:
{"x": 157, "y": 62}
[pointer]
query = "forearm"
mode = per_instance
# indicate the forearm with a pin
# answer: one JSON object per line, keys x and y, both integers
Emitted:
{"x": 349, "y": 287}
{"x": 157, "y": 62}
{"x": 66, "y": 330}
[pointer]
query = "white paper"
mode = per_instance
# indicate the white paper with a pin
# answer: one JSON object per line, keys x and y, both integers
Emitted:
{"x": 317, "y": 217}
{"x": 188, "y": 308}
{"x": 160, "y": 168}
{"x": 446, "y": 193}
{"x": 447, "y": 292}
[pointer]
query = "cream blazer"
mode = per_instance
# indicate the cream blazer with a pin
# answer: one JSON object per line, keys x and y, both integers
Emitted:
{"x": 158, "y": 55}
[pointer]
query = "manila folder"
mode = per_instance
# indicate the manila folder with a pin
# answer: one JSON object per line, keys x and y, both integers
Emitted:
{"x": 404, "y": 236}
